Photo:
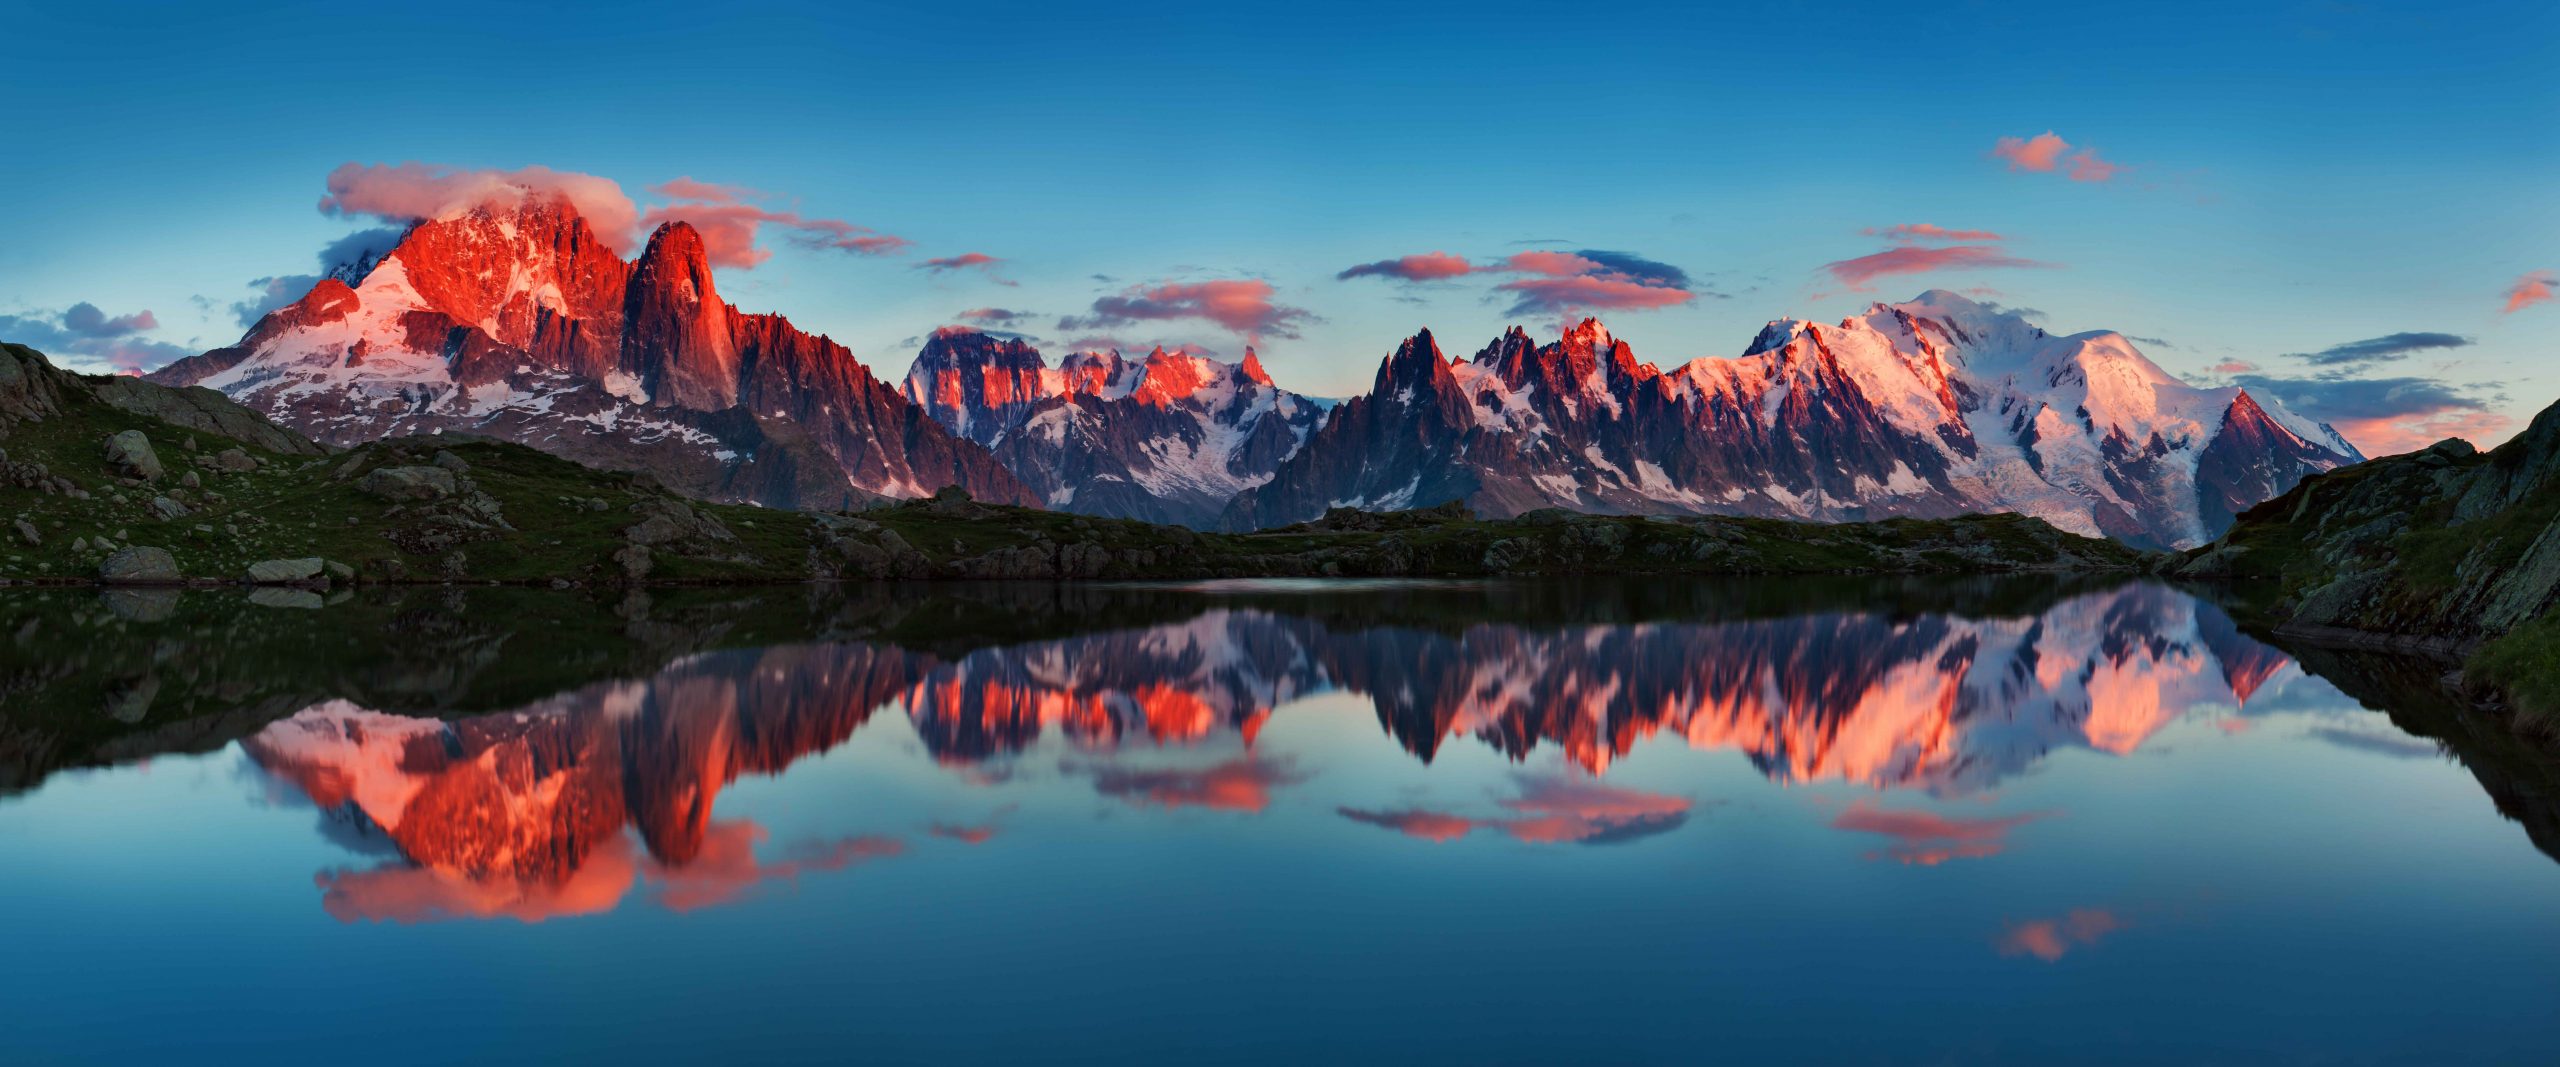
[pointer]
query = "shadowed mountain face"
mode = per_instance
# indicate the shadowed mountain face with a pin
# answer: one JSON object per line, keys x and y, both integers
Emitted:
{"x": 561, "y": 805}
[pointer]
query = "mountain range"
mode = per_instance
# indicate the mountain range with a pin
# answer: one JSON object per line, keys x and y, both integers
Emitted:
{"x": 1935, "y": 407}
{"x": 1169, "y": 438}
{"x": 512, "y": 320}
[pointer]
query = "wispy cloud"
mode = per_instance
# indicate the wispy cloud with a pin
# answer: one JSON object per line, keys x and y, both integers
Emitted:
{"x": 1549, "y": 809}
{"x": 1925, "y": 231}
{"x": 1241, "y": 784}
{"x": 2045, "y": 153}
{"x": 1421, "y": 267}
{"x": 2387, "y": 348}
{"x": 1928, "y": 839}
{"x": 1921, "y": 259}
{"x": 1243, "y": 306}
{"x": 977, "y": 261}
{"x": 2531, "y": 289}
{"x": 2051, "y": 939}
{"x": 1550, "y": 281}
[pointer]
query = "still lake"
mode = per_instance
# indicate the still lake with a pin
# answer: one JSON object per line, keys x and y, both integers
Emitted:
{"x": 1698, "y": 821}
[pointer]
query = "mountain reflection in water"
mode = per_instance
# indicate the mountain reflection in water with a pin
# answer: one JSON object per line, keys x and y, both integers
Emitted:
{"x": 1856, "y": 820}
{"x": 524, "y": 812}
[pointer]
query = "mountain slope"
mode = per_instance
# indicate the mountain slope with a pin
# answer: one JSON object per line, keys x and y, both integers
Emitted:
{"x": 512, "y": 320}
{"x": 2447, "y": 549}
{"x": 1940, "y": 406}
{"x": 1170, "y": 438}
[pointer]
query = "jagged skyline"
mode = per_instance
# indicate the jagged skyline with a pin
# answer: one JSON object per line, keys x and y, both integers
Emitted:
{"x": 2372, "y": 248}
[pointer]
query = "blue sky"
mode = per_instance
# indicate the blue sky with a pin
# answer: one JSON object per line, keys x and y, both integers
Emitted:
{"x": 2293, "y": 176}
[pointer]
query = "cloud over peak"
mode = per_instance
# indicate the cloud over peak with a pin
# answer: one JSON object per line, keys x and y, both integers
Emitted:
{"x": 409, "y": 192}
{"x": 727, "y": 216}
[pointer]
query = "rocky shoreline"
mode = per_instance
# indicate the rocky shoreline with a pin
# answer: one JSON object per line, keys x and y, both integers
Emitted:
{"x": 2448, "y": 553}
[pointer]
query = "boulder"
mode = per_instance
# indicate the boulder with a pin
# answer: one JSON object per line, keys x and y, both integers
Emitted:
{"x": 130, "y": 453}
{"x": 276, "y": 571}
{"x": 234, "y": 461}
{"x": 139, "y": 565}
{"x": 451, "y": 462}
{"x": 409, "y": 483}
{"x": 27, "y": 532}
{"x": 167, "y": 508}
{"x": 655, "y": 530}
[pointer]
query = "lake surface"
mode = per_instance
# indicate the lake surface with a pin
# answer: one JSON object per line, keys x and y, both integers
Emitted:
{"x": 1738, "y": 821}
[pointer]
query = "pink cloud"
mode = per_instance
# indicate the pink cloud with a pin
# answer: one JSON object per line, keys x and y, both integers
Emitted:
{"x": 1569, "y": 295}
{"x": 2533, "y": 288}
{"x": 726, "y": 868}
{"x": 2087, "y": 167}
{"x": 967, "y": 835}
{"x": 959, "y": 262}
{"x": 2050, "y": 939}
{"x": 407, "y": 894}
{"x": 1549, "y": 810}
{"x": 2045, "y": 152}
{"x": 1432, "y": 826}
{"x": 1928, "y": 839}
{"x": 1564, "y": 283}
{"x": 1923, "y": 231}
{"x": 1242, "y": 784}
{"x": 1916, "y": 259}
{"x": 994, "y": 316}
{"x": 2392, "y": 435}
{"x": 1559, "y": 809}
{"x": 1553, "y": 264}
{"x": 2038, "y": 153}
{"x": 406, "y": 192}
{"x": 713, "y": 192}
{"x": 730, "y": 231}
{"x": 978, "y": 261}
{"x": 1424, "y": 267}
{"x": 1242, "y": 306}
{"x": 2233, "y": 366}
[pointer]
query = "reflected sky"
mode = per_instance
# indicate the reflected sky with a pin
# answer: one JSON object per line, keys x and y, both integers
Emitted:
{"x": 2102, "y": 825}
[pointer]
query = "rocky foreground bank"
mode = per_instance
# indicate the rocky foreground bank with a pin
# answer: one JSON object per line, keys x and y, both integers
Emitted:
{"x": 2448, "y": 551}
{"x": 116, "y": 481}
